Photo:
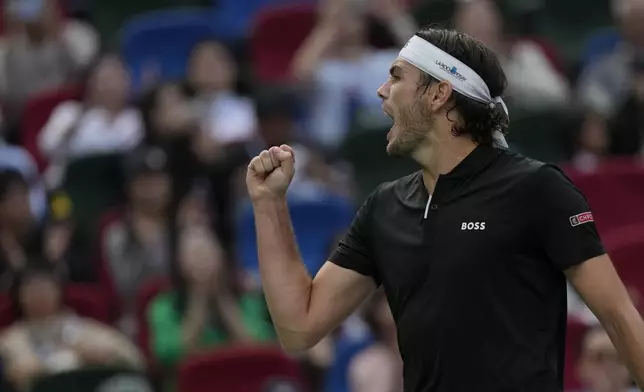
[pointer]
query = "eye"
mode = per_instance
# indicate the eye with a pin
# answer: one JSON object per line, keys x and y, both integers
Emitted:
{"x": 394, "y": 78}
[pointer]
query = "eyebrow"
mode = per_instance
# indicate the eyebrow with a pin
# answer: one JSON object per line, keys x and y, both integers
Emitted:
{"x": 394, "y": 69}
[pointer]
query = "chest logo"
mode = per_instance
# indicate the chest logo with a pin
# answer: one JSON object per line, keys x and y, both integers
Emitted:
{"x": 469, "y": 226}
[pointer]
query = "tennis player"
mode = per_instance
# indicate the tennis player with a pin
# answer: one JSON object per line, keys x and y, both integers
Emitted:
{"x": 473, "y": 251}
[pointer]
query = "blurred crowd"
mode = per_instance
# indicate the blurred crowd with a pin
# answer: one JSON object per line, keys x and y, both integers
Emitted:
{"x": 127, "y": 246}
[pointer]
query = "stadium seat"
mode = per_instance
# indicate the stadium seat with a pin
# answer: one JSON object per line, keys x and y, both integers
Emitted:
{"x": 345, "y": 350}
{"x": 88, "y": 301}
{"x": 177, "y": 30}
{"x": 599, "y": 44}
{"x": 146, "y": 294}
{"x": 277, "y": 34}
{"x": 84, "y": 299}
{"x": 614, "y": 192}
{"x": 316, "y": 223}
{"x": 626, "y": 249}
{"x": 237, "y": 16}
{"x": 37, "y": 112}
{"x": 93, "y": 379}
{"x": 7, "y": 314}
{"x": 243, "y": 369}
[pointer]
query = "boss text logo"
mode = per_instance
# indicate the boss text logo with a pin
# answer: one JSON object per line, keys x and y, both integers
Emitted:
{"x": 473, "y": 226}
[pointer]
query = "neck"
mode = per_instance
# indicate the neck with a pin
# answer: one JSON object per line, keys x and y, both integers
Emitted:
{"x": 441, "y": 156}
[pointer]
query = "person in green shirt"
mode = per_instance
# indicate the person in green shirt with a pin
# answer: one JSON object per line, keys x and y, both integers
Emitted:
{"x": 204, "y": 310}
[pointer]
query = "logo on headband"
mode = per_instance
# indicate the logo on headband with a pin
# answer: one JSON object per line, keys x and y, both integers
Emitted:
{"x": 453, "y": 71}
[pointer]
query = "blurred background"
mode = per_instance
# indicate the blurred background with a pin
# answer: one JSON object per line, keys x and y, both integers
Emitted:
{"x": 127, "y": 246}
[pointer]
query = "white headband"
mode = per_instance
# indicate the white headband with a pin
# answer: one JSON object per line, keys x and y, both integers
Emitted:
{"x": 442, "y": 66}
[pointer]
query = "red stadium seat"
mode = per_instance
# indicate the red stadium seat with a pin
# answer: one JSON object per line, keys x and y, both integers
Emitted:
{"x": 37, "y": 112}
{"x": 626, "y": 249}
{"x": 614, "y": 192}
{"x": 88, "y": 301}
{"x": 242, "y": 369}
{"x": 277, "y": 35}
{"x": 574, "y": 334}
{"x": 7, "y": 312}
{"x": 146, "y": 294}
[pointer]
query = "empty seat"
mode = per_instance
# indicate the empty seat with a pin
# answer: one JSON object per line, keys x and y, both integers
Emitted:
{"x": 163, "y": 40}
{"x": 316, "y": 224}
{"x": 276, "y": 35}
{"x": 247, "y": 369}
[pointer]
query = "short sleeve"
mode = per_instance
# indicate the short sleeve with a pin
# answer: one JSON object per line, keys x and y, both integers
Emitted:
{"x": 565, "y": 224}
{"x": 355, "y": 250}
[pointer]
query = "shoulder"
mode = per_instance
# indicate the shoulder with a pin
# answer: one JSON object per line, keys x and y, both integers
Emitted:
{"x": 400, "y": 188}
{"x": 512, "y": 168}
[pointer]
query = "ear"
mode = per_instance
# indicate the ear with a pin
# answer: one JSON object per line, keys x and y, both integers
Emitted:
{"x": 440, "y": 94}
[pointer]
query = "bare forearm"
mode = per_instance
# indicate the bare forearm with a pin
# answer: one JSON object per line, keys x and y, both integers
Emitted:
{"x": 286, "y": 282}
{"x": 194, "y": 321}
{"x": 626, "y": 330}
{"x": 312, "y": 51}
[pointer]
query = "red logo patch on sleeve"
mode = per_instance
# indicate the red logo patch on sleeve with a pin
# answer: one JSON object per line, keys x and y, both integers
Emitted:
{"x": 582, "y": 218}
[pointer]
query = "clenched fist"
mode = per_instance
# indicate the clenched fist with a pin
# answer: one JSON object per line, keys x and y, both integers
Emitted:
{"x": 270, "y": 173}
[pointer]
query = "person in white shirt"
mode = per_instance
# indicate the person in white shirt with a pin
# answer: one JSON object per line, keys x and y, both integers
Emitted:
{"x": 534, "y": 83}
{"x": 226, "y": 117}
{"x": 342, "y": 68}
{"x": 103, "y": 123}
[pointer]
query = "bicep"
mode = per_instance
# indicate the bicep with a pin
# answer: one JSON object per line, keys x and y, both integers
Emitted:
{"x": 599, "y": 285}
{"x": 335, "y": 294}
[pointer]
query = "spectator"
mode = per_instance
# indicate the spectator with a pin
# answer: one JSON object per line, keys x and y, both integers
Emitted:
{"x": 343, "y": 69}
{"x": 171, "y": 124}
{"x": 204, "y": 310}
{"x": 534, "y": 83}
{"x": 627, "y": 125}
{"x": 173, "y": 119}
{"x": 19, "y": 159}
{"x": 606, "y": 84}
{"x": 103, "y": 123}
{"x": 43, "y": 50}
{"x": 18, "y": 237}
{"x": 378, "y": 368}
{"x": 599, "y": 367}
{"x": 277, "y": 125}
{"x": 226, "y": 117}
{"x": 135, "y": 245}
{"x": 48, "y": 339}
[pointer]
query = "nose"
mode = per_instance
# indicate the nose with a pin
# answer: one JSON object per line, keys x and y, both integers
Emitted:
{"x": 383, "y": 91}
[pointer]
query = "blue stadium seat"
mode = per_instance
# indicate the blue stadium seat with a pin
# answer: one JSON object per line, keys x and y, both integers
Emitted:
{"x": 599, "y": 44}
{"x": 316, "y": 224}
{"x": 238, "y": 16}
{"x": 163, "y": 39}
{"x": 346, "y": 349}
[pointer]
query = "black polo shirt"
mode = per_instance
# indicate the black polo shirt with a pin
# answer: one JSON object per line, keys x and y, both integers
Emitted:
{"x": 476, "y": 288}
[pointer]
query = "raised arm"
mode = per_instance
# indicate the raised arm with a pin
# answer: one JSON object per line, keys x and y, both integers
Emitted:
{"x": 304, "y": 310}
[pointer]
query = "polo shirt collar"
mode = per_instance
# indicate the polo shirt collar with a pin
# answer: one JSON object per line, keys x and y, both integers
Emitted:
{"x": 473, "y": 163}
